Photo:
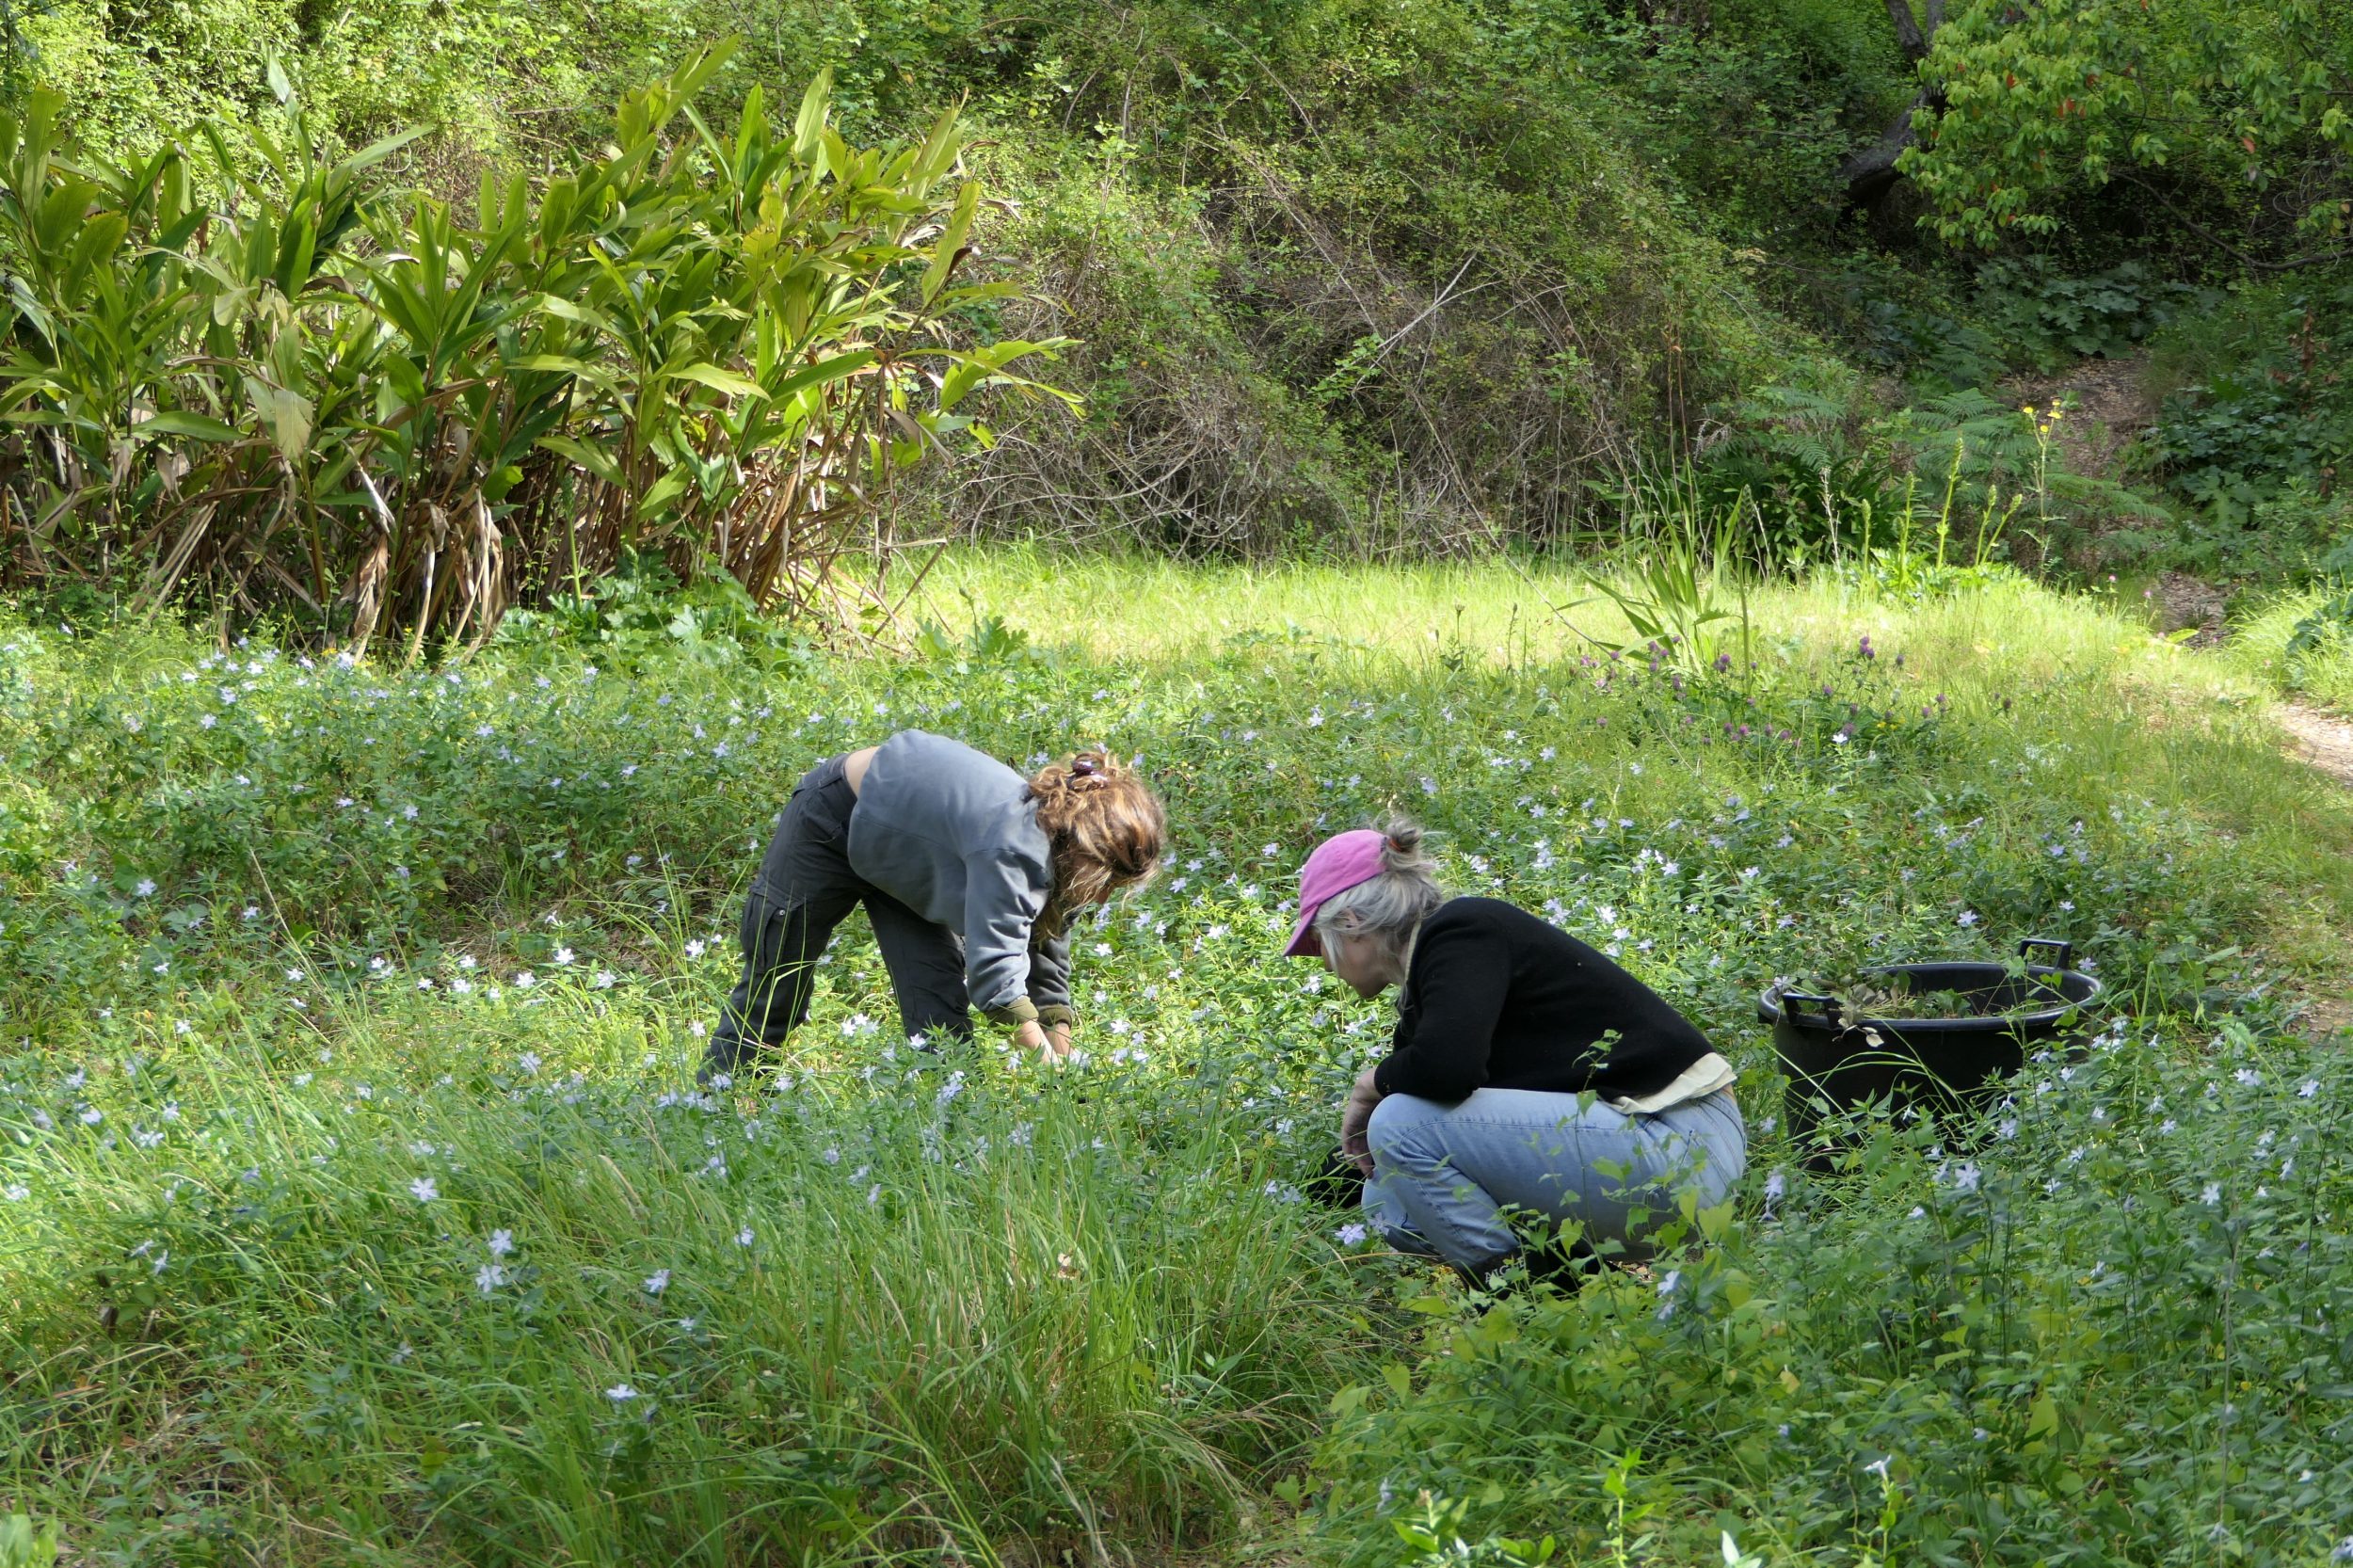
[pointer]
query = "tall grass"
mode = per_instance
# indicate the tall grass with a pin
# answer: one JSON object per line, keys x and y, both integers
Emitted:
{"x": 356, "y": 1205}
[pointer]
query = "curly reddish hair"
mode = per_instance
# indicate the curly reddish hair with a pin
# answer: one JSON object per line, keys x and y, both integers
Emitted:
{"x": 1107, "y": 828}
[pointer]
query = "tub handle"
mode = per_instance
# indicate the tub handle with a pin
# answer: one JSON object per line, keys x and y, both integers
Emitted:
{"x": 1795, "y": 1002}
{"x": 2064, "y": 951}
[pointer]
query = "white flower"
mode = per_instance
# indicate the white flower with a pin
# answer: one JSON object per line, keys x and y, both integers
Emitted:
{"x": 2309, "y": 1088}
{"x": 657, "y": 1282}
{"x": 1878, "y": 1467}
{"x": 743, "y": 1237}
{"x": 525, "y": 981}
{"x": 146, "y": 887}
{"x": 2212, "y": 1196}
{"x": 16, "y": 1191}
{"x": 2249, "y": 1077}
{"x": 563, "y": 957}
{"x": 489, "y": 1277}
{"x": 1968, "y": 917}
{"x": 502, "y": 1243}
{"x": 1350, "y": 1235}
{"x": 603, "y": 981}
{"x": 620, "y": 1393}
{"x": 423, "y": 1189}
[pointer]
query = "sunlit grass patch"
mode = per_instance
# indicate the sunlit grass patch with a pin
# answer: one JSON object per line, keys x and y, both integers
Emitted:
{"x": 355, "y": 1201}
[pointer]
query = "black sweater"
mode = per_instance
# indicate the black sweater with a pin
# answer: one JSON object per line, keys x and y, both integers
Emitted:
{"x": 1497, "y": 999}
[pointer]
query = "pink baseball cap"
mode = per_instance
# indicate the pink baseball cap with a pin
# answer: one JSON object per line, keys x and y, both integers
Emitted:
{"x": 1340, "y": 862}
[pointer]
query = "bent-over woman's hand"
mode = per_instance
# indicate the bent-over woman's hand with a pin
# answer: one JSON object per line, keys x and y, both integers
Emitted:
{"x": 1356, "y": 1122}
{"x": 1052, "y": 1047}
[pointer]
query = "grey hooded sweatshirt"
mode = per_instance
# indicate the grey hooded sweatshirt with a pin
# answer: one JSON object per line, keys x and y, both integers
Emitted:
{"x": 950, "y": 833}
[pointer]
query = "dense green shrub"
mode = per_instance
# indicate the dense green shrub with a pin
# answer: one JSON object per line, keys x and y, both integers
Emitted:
{"x": 327, "y": 399}
{"x": 2257, "y": 400}
{"x": 1368, "y": 277}
{"x": 1432, "y": 294}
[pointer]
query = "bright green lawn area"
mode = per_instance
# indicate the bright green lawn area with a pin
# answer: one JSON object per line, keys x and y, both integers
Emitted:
{"x": 356, "y": 1205}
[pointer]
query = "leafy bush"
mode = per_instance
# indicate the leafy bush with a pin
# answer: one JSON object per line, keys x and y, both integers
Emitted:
{"x": 1824, "y": 478}
{"x": 2209, "y": 105}
{"x": 333, "y": 403}
{"x": 2272, "y": 407}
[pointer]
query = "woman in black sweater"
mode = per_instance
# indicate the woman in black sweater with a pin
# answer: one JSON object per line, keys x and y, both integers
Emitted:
{"x": 1528, "y": 1072}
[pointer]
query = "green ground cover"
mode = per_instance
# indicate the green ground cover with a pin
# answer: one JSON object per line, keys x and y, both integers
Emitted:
{"x": 356, "y": 1204}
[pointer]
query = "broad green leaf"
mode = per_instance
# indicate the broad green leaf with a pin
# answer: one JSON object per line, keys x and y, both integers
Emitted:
{"x": 181, "y": 421}
{"x": 808, "y": 125}
{"x": 665, "y": 490}
{"x": 715, "y": 379}
{"x": 377, "y": 152}
{"x": 285, "y": 414}
{"x": 951, "y": 244}
{"x": 595, "y": 459}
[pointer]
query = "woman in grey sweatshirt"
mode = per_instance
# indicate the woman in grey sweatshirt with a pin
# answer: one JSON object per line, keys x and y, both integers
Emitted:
{"x": 969, "y": 873}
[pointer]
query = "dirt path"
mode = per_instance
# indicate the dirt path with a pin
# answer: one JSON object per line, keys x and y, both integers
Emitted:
{"x": 2323, "y": 740}
{"x": 2108, "y": 405}
{"x": 2108, "y": 409}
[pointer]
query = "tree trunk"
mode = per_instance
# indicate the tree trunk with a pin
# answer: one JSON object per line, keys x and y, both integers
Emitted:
{"x": 1870, "y": 172}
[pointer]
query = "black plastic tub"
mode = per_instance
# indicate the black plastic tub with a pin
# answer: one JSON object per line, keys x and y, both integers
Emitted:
{"x": 1939, "y": 1066}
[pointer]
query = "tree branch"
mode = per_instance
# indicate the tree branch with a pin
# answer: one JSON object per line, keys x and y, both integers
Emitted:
{"x": 2241, "y": 257}
{"x": 1908, "y": 38}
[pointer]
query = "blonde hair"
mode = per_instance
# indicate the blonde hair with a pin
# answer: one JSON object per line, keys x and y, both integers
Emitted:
{"x": 1388, "y": 908}
{"x": 1107, "y": 828}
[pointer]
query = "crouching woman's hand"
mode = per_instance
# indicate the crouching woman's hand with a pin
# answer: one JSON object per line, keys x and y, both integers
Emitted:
{"x": 1356, "y": 1122}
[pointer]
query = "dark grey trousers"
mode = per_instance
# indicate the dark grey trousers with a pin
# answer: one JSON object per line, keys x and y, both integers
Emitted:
{"x": 805, "y": 889}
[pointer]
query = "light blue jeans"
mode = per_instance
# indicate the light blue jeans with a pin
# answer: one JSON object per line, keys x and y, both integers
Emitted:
{"x": 1445, "y": 1175}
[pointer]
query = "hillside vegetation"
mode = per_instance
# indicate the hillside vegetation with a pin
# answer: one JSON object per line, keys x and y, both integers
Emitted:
{"x": 1439, "y": 275}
